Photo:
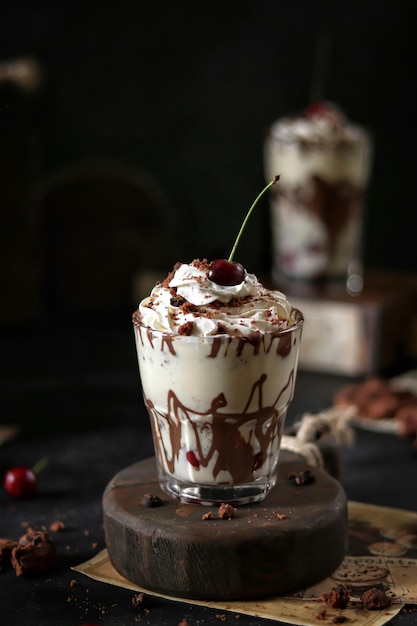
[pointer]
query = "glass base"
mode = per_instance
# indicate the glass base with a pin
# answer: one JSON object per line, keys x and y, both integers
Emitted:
{"x": 190, "y": 493}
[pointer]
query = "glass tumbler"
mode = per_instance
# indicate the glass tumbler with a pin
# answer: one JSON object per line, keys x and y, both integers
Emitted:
{"x": 217, "y": 407}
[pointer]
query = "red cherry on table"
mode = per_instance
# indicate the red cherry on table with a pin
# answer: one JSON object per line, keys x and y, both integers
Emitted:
{"x": 226, "y": 273}
{"x": 20, "y": 482}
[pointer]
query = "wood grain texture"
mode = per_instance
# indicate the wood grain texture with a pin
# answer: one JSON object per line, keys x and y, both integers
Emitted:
{"x": 170, "y": 549}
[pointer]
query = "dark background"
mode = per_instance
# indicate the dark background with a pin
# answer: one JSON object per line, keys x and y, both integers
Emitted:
{"x": 185, "y": 91}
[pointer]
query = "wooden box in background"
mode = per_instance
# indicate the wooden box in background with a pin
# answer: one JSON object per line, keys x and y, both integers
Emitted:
{"x": 369, "y": 333}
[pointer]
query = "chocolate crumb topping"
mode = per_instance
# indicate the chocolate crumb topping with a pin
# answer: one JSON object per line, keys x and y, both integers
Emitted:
{"x": 186, "y": 329}
{"x": 187, "y": 307}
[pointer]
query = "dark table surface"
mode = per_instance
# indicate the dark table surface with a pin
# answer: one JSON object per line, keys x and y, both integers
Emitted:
{"x": 77, "y": 401}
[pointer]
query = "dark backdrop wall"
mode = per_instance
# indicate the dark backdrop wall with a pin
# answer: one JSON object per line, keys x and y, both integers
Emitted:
{"x": 186, "y": 90}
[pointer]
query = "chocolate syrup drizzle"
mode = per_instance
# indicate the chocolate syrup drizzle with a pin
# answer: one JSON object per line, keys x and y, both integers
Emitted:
{"x": 333, "y": 203}
{"x": 256, "y": 340}
{"x": 232, "y": 453}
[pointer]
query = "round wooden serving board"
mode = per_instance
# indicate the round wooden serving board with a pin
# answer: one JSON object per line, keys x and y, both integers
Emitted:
{"x": 171, "y": 550}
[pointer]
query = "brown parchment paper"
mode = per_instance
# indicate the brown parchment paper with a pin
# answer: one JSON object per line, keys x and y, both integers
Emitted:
{"x": 382, "y": 553}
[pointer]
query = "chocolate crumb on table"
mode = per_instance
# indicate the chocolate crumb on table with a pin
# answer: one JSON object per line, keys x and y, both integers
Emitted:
{"x": 206, "y": 516}
{"x": 139, "y": 600}
{"x": 150, "y": 501}
{"x": 304, "y": 477}
{"x": 374, "y": 599}
{"x": 33, "y": 553}
{"x": 226, "y": 511}
{"x": 57, "y": 526}
{"x": 337, "y": 598}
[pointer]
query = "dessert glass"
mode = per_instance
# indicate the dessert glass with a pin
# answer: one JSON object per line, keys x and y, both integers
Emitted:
{"x": 217, "y": 406}
{"x": 317, "y": 208}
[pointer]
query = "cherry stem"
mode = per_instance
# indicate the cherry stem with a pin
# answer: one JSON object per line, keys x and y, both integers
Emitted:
{"x": 40, "y": 465}
{"x": 255, "y": 202}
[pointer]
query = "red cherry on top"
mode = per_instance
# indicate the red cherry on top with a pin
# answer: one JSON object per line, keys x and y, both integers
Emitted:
{"x": 226, "y": 273}
{"x": 20, "y": 482}
{"x": 325, "y": 110}
{"x": 318, "y": 109}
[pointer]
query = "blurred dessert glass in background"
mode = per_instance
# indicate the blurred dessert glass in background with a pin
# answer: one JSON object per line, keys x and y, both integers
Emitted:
{"x": 317, "y": 209}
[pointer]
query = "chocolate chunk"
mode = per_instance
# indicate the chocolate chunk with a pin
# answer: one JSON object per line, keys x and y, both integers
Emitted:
{"x": 226, "y": 511}
{"x": 34, "y": 553}
{"x": 374, "y": 599}
{"x": 151, "y": 501}
{"x": 139, "y": 600}
{"x": 337, "y": 598}
{"x": 302, "y": 478}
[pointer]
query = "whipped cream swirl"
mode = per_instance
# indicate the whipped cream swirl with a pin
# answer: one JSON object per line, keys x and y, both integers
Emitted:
{"x": 329, "y": 127}
{"x": 188, "y": 303}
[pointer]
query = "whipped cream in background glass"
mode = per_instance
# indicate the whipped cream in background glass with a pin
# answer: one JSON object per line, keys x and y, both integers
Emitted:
{"x": 218, "y": 368}
{"x": 316, "y": 210}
